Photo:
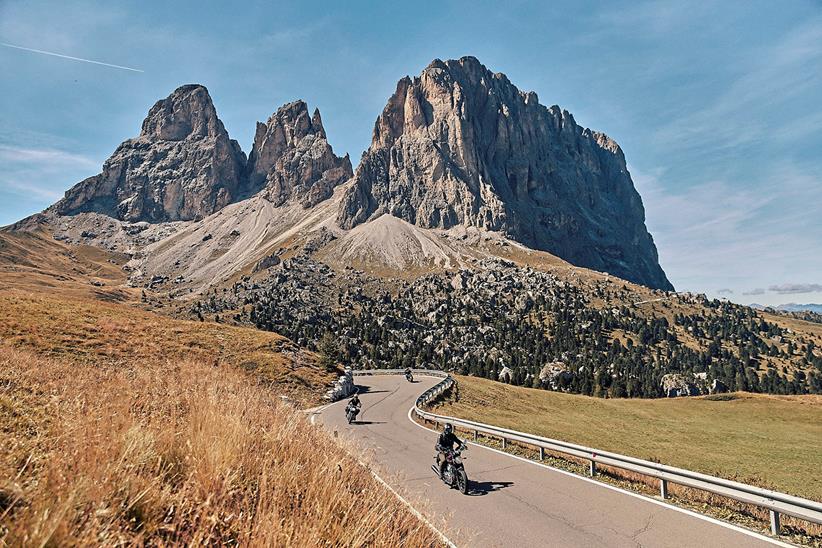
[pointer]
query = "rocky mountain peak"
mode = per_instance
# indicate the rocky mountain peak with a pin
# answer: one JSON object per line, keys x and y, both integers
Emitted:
{"x": 182, "y": 166}
{"x": 291, "y": 158}
{"x": 461, "y": 145}
{"x": 187, "y": 113}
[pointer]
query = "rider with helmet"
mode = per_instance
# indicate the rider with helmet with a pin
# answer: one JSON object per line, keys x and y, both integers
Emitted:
{"x": 445, "y": 443}
{"x": 354, "y": 404}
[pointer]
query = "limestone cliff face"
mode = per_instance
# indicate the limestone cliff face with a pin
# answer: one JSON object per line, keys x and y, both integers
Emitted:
{"x": 182, "y": 166}
{"x": 291, "y": 159}
{"x": 460, "y": 145}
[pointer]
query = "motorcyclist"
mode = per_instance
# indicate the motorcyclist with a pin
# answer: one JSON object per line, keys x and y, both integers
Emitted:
{"x": 445, "y": 443}
{"x": 408, "y": 373}
{"x": 354, "y": 404}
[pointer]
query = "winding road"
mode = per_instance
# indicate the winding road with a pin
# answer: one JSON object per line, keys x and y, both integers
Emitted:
{"x": 512, "y": 501}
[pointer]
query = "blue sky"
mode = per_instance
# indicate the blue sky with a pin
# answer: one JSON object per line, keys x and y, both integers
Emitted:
{"x": 717, "y": 105}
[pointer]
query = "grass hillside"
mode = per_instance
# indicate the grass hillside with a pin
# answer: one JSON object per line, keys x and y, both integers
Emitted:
{"x": 35, "y": 261}
{"x": 775, "y": 441}
{"x": 86, "y": 330}
{"x": 156, "y": 451}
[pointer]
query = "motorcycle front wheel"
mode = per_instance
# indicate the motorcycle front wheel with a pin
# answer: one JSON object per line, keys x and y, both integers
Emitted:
{"x": 462, "y": 482}
{"x": 448, "y": 475}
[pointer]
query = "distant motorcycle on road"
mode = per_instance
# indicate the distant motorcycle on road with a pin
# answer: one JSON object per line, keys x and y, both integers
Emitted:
{"x": 409, "y": 377}
{"x": 351, "y": 411}
{"x": 453, "y": 470}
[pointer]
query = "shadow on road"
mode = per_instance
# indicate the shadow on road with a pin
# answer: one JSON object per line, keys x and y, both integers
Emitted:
{"x": 367, "y": 390}
{"x": 368, "y": 422}
{"x": 480, "y": 488}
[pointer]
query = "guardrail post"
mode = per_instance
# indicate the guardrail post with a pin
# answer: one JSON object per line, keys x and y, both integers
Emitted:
{"x": 593, "y": 468}
{"x": 663, "y": 488}
{"x": 541, "y": 453}
{"x": 775, "y": 523}
{"x": 476, "y": 435}
{"x": 504, "y": 443}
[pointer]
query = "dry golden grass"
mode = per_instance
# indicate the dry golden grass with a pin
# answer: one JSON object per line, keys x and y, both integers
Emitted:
{"x": 175, "y": 452}
{"x": 86, "y": 330}
{"x": 35, "y": 261}
{"x": 770, "y": 441}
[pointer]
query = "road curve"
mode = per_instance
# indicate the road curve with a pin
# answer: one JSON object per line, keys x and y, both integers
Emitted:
{"x": 513, "y": 502}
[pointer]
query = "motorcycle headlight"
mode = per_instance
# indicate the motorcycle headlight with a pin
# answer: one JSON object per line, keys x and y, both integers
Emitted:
{"x": 458, "y": 460}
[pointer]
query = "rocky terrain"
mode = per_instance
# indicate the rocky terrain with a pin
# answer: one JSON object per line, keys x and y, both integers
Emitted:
{"x": 183, "y": 166}
{"x": 457, "y": 243}
{"x": 291, "y": 158}
{"x": 456, "y": 147}
{"x": 460, "y": 145}
{"x": 517, "y": 324}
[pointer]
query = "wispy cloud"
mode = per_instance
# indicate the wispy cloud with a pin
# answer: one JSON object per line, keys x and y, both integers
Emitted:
{"x": 790, "y": 289}
{"x": 31, "y": 189}
{"x": 658, "y": 17}
{"x": 775, "y": 76}
{"x": 756, "y": 291}
{"x": 736, "y": 235}
{"x": 288, "y": 36}
{"x": 725, "y": 291}
{"x": 41, "y": 174}
{"x": 18, "y": 155}
{"x": 69, "y": 57}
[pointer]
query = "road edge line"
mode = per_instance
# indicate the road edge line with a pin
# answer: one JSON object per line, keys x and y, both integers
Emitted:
{"x": 316, "y": 411}
{"x": 709, "y": 519}
{"x": 414, "y": 511}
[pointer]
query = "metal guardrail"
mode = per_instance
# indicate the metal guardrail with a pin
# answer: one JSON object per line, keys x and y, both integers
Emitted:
{"x": 777, "y": 503}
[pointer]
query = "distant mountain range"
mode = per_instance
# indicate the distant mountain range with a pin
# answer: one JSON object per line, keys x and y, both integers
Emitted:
{"x": 791, "y": 307}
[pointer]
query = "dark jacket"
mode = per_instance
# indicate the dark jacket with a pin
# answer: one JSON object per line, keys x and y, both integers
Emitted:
{"x": 447, "y": 441}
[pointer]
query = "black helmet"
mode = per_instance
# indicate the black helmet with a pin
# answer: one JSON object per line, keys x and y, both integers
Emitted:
{"x": 355, "y": 398}
{"x": 448, "y": 428}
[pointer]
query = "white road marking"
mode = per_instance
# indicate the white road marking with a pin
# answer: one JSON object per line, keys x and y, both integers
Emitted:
{"x": 709, "y": 519}
{"x": 414, "y": 511}
{"x": 316, "y": 411}
{"x": 376, "y": 476}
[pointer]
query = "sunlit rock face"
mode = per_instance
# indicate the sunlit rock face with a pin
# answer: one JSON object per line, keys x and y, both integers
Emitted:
{"x": 182, "y": 166}
{"x": 460, "y": 145}
{"x": 291, "y": 159}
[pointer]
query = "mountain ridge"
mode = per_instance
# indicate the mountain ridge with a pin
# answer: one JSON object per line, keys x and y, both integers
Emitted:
{"x": 458, "y": 146}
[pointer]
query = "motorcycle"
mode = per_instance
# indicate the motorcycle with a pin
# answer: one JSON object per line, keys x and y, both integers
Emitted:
{"x": 453, "y": 471}
{"x": 351, "y": 413}
{"x": 409, "y": 377}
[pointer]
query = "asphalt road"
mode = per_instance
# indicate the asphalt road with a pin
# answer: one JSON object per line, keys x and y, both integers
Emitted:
{"x": 512, "y": 502}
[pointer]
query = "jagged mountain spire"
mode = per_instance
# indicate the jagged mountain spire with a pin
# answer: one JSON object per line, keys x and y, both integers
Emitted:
{"x": 183, "y": 166}
{"x": 460, "y": 145}
{"x": 292, "y": 160}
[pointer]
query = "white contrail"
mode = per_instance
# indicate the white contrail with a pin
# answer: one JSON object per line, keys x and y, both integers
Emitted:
{"x": 69, "y": 57}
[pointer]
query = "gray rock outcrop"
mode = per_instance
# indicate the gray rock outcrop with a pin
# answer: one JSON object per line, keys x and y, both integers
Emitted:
{"x": 555, "y": 375}
{"x": 460, "y": 145}
{"x": 675, "y": 385}
{"x": 292, "y": 160}
{"x": 342, "y": 387}
{"x": 183, "y": 166}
